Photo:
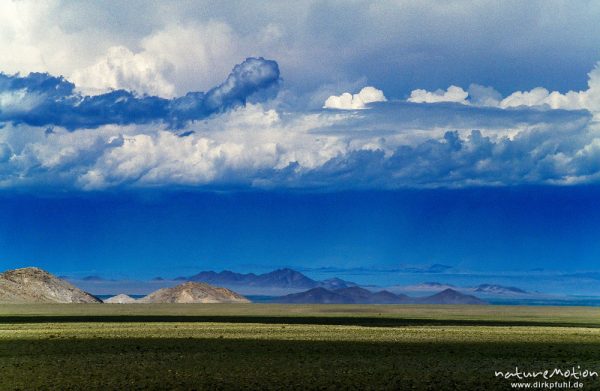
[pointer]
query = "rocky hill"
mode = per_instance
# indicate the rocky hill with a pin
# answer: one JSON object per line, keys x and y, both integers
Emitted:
{"x": 120, "y": 299}
{"x": 33, "y": 285}
{"x": 194, "y": 292}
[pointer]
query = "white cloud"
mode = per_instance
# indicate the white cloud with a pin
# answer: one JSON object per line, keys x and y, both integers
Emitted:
{"x": 231, "y": 148}
{"x": 537, "y": 97}
{"x": 452, "y": 94}
{"x": 572, "y": 100}
{"x": 347, "y": 101}
{"x": 172, "y": 61}
{"x": 122, "y": 69}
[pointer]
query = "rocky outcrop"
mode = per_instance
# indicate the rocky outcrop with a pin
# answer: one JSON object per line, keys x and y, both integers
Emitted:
{"x": 120, "y": 299}
{"x": 34, "y": 285}
{"x": 194, "y": 292}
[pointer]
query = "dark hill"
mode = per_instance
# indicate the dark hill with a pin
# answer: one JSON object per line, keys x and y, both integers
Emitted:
{"x": 314, "y": 296}
{"x": 450, "y": 296}
{"x": 357, "y": 295}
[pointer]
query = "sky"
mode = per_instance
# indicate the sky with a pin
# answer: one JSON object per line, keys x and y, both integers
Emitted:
{"x": 375, "y": 138}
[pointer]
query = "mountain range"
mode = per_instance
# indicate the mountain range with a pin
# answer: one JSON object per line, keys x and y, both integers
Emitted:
{"x": 280, "y": 278}
{"x": 33, "y": 285}
{"x": 287, "y": 278}
{"x": 482, "y": 289}
{"x": 357, "y": 295}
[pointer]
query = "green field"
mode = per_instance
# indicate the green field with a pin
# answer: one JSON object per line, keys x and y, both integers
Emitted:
{"x": 253, "y": 346}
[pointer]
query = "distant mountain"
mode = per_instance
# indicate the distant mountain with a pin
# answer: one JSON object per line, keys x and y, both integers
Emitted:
{"x": 314, "y": 296}
{"x": 34, "y": 285}
{"x": 364, "y": 296}
{"x": 120, "y": 299}
{"x": 284, "y": 278}
{"x": 387, "y": 297}
{"x": 194, "y": 292}
{"x": 484, "y": 289}
{"x": 280, "y": 278}
{"x": 449, "y": 296}
{"x": 357, "y": 295}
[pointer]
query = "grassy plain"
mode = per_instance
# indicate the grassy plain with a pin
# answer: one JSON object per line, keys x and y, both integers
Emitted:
{"x": 253, "y": 346}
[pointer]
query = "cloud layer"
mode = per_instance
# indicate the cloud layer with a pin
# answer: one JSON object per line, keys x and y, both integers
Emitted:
{"x": 588, "y": 99}
{"x": 392, "y": 145}
{"x": 54, "y": 137}
{"x": 41, "y": 100}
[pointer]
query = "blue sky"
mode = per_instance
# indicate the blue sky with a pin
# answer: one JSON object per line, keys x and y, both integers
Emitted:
{"x": 171, "y": 136}
{"x": 513, "y": 235}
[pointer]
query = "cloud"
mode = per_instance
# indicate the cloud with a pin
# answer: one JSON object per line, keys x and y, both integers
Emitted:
{"x": 587, "y": 99}
{"x": 452, "y": 94}
{"x": 148, "y": 141}
{"x": 537, "y": 97}
{"x": 170, "y": 60}
{"x": 347, "y": 101}
{"x": 535, "y": 156}
{"x": 483, "y": 96}
{"x": 191, "y": 46}
{"x": 123, "y": 69}
{"x": 127, "y": 140}
{"x": 254, "y": 146}
{"x": 41, "y": 100}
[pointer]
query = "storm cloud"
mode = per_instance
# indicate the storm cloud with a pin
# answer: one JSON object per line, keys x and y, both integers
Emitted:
{"x": 40, "y": 99}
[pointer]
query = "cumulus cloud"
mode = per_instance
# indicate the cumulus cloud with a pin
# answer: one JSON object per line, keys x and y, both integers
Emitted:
{"x": 347, "y": 101}
{"x": 587, "y": 99}
{"x": 41, "y": 99}
{"x": 123, "y": 69}
{"x": 537, "y": 97}
{"x": 487, "y": 96}
{"x": 170, "y": 60}
{"x": 452, "y": 94}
